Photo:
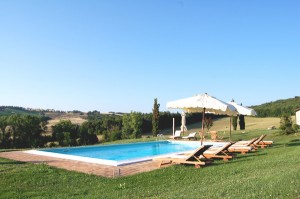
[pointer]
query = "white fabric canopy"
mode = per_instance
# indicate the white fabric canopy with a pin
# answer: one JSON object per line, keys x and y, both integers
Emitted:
{"x": 242, "y": 110}
{"x": 203, "y": 103}
{"x": 199, "y": 102}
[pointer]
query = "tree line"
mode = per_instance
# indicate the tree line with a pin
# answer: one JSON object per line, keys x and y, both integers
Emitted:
{"x": 28, "y": 131}
{"x": 22, "y": 131}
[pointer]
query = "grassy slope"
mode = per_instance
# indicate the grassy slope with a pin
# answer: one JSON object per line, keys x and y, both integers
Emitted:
{"x": 268, "y": 173}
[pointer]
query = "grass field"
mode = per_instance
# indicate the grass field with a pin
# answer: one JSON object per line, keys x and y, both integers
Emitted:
{"x": 222, "y": 126}
{"x": 273, "y": 172}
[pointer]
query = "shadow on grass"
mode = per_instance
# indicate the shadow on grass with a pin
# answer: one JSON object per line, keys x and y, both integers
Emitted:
{"x": 5, "y": 163}
{"x": 8, "y": 150}
{"x": 237, "y": 159}
{"x": 249, "y": 155}
{"x": 24, "y": 162}
{"x": 293, "y": 144}
{"x": 277, "y": 145}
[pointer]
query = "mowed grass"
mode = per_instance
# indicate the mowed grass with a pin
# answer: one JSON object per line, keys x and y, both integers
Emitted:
{"x": 273, "y": 172}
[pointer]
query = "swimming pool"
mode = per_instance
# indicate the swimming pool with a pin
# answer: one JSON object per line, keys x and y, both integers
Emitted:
{"x": 121, "y": 154}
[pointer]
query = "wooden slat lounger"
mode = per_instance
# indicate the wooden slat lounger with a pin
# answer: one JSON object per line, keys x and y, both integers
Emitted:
{"x": 193, "y": 158}
{"x": 219, "y": 152}
{"x": 261, "y": 143}
{"x": 240, "y": 149}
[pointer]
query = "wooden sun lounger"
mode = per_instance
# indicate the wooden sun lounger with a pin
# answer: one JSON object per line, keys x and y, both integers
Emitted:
{"x": 240, "y": 149}
{"x": 247, "y": 143}
{"x": 220, "y": 152}
{"x": 193, "y": 158}
{"x": 261, "y": 143}
{"x": 250, "y": 145}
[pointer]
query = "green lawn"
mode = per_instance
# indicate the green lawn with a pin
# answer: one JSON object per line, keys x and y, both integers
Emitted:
{"x": 268, "y": 173}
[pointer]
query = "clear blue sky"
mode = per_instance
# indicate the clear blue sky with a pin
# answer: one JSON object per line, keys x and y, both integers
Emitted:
{"x": 118, "y": 55}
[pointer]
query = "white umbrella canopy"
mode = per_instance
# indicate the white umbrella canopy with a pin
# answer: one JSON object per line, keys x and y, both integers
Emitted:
{"x": 203, "y": 103}
{"x": 242, "y": 110}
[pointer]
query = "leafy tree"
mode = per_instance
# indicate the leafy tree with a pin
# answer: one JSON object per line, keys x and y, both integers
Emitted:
{"x": 115, "y": 133}
{"x": 132, "y": 125}
{"x": 65, "y": 139}
{"x": 93, "y": 115}
{"x": 96, "y": 126}
{"x": 93, "y": 139}
{"x": 242, "y": 122}
{"x": 32, "y": 129}
{"x": 66, "y": 133}
{"x": 4, "y": 135}
{"x": 234, "y": 122}
{"x": 84, "y": 133}
{"x": 155, "y": 118}
{"x": 136, "y": 124}
{"x": 147, "y": 123}
{"x": 126, "y": 129}
{"x": 106, "y": 136}
{"x": 22, "y": 131}
{"x": 14, "y": 123}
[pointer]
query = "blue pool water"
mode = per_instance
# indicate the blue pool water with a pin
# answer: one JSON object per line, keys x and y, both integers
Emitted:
{"x": 126, "y": 151}
{"x": 122, "y": 154}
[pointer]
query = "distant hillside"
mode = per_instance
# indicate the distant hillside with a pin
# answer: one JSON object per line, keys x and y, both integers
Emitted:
{"x": 270, "y": 109}
{"x": 278, "y": 108}
{"x": 9, "y": 110}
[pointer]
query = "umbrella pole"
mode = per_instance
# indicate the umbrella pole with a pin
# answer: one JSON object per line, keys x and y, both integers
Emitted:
{"x": 203, "y": 115}
{"x": 230, "y": 129}
{"x": 173, "y": 125}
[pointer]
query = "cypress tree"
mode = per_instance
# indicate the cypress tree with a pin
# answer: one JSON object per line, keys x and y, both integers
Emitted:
{"x": 155, "y": 117}
{"x": 234, "y": 122}
{"x": 242, "y": 122}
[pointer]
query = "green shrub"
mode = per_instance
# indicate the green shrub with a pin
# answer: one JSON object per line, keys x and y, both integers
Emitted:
{"x": 286, "y": 125}
{"x": 296, "y": 127}
{"x": 208, "y": 122}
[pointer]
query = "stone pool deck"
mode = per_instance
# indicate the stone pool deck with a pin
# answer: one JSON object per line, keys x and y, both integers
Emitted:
{"x": 84, "y": 167}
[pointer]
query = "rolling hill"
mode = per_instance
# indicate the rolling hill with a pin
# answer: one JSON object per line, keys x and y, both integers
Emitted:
{"x": 278, "y": 108}
{"x": 270, "y": 109}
